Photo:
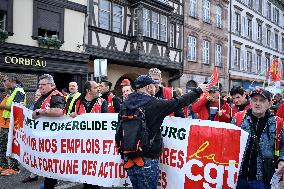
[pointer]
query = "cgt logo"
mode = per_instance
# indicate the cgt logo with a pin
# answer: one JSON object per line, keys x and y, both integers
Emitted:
{"x": 212, "y": 158}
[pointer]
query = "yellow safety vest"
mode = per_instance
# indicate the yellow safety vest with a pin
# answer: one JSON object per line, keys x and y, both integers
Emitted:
{"x": 6, "y": 113}
{"x": 76, "y": 96}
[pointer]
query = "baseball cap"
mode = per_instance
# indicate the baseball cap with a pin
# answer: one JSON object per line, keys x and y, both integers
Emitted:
{"x": 144, "y": 80}
{"x": 266, "y": 94}
{"x": 125, "y": 82}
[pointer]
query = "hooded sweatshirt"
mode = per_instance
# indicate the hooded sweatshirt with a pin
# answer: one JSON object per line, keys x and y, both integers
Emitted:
{"x": 155, "y": 112}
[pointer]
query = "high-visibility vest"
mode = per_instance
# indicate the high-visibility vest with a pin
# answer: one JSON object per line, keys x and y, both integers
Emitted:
{"x": 6, "y": 113}
{"x": 46, "y": 103}
{"x": 279, "y": 125}
{"x": 74, "y": 98}
{"x": 97, "y": 107}
{"x": 110, "y": 103}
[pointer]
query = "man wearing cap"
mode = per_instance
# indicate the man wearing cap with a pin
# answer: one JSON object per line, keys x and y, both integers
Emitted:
{"x": 207, "y": 107}
{"x": 146, "y": 176}
{"x": 15, "y": 93}
{"x": 126, "y": 89}
{"x": 265, "y": 141}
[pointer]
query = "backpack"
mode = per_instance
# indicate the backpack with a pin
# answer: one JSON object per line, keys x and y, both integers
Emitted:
{"x": 132, "y": 135}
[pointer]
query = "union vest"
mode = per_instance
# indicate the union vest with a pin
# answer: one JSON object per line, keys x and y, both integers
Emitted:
{"x": 97, "y": 107}
{"x": 6, "y": 113}
{"x": 110, "y": 103}
{"x": 46, "y": 103}
{"x": 68, "y": 109}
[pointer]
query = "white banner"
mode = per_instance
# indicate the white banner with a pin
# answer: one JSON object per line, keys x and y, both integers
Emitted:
{"x": 196, "y": 154}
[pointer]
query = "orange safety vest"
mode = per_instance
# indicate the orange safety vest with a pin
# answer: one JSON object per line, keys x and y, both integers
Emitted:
{"x": 110, "y": 103}
{"x": 97, "y": 107}
{"x": 4, "y": 122}
{"x": 279, "y": 125}
{"x": 46, "y": 103}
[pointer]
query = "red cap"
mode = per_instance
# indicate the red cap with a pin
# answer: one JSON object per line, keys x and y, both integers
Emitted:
{"x": 125, "y": 82}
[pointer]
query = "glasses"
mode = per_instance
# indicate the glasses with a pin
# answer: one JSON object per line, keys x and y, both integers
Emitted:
{"x": 43, "y": 84}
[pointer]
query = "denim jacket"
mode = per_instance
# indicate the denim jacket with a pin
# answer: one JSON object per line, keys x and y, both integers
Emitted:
{"x": 266, "y": 143}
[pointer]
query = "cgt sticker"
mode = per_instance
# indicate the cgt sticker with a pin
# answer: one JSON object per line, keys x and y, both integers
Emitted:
{"x": 212, "y": 158}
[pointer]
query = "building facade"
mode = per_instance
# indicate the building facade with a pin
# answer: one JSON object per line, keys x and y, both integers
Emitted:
{"x": 206, "y": 42}
{"x": 134, "y": 36}
{"x": 39, "y": 36}
{"x": 256, "y": 36}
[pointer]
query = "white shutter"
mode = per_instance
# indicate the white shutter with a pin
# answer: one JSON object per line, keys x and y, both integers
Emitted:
{"x": 203, "y": 52}
{"x": 254, "y": 30}
{"x": 272, "y": 39}
{"x": 264, "y": 35}
{"x": 242, "y": 60}
{"x": 245, "y": 61}
{"x": 188, "y": 47}
{"x": 242, "y": 25}
{"x": 233, "y": 22}
{"x": 254, "y": 62}
{"x": 233, "y": 54}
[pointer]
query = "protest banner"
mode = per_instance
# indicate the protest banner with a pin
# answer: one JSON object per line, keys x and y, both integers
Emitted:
{"x": 196, "y": 154}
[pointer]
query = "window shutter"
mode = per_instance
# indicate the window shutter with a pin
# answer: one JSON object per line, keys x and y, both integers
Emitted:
{"x": 254, "y": 30}
{"x": 233, "y": 26}
{"x": 272, "y": 39}
{"x": 264, "y": 30}
{"x": 241, "y": 60}
{"x": 4, "y": 5}
{"x": 245, "y": 66}
{"x": 233, "y": 58}
{"x": 48, "y": 20}
{"x": 243, "y": 26}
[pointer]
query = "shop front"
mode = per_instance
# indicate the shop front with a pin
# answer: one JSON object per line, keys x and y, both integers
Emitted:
{"x": 28, "y": 63}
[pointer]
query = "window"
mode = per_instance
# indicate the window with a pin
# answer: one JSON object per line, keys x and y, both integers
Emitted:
{"x": 146, "y": 23}
{"x": 205, "y": 52}
{"x": 258, "y": 63}
{"x": 259, "y": 6}
{"x": 178, "y": 36}
{"x": 269, "y": 10}
{"x": 191, "y": 53}
{"x": 2, "y": 20}
{"x": 249, "y": 61}
{"x": 104, "y": 14}
{"x": 219, "y": 17}
{"x": 238, "y": 23}
{"x": 163, "y": 28}
{"x": 218, "y": 55}
{"x": 172, "y": 35}
{"x": 283, "y": 46}
{"x": 155, "y": 25}
{"x": 250, "y": 3}
{"x": 267, "y": 62}
{"x": 249, "y": 28}
{"x": 276, "y": 41}
{"x": 259, "y": 32}
{"x": 117, "y": 16}
{"x": 135, "y": 22}
{"x": 276, "y": 16}
{"x": 206, "y": 11}
{"x": 193, "y": 8}
{"x": 237, "y": 57}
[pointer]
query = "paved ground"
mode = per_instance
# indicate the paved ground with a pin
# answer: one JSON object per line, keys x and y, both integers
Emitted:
{"x": 14, "y": 182}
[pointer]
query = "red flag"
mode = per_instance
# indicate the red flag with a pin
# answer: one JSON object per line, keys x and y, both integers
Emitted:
{"x": 274, "y": 69}
{"x": 214, "y": 79}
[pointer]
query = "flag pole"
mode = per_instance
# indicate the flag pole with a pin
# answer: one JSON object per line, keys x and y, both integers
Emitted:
{"x": 219, "y": 96}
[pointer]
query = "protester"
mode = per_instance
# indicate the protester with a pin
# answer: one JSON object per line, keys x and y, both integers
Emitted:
{"x": 265, "y": 141}
{"x": 178, "y": 92}
{"x": 207, "y": 107}
{"x": 64, "y": 91}
{"x": 50, "y": 104}
{"x": 126, "y": 89}
{"x": 72, "y": 98}
{"x": 33, "y": 177}
{"x": 112, "y": 100}
{"x": 146, "y": 176}
{"x": 240, "y": 100}
{"x": 162, "y": 92}
{"x": 90, "y": 102}
{"x": 15, "y": 93}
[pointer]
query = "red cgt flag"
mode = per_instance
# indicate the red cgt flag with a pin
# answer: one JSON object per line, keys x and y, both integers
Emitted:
{"x": 214, "y": 79}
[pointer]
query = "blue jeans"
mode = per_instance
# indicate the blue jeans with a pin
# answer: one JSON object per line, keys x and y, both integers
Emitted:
{"x": 145, "y": 177}
{"x": 252, "y": 184}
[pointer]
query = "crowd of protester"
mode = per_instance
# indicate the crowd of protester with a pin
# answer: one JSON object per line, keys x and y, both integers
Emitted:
{"x": 257, "y": 111}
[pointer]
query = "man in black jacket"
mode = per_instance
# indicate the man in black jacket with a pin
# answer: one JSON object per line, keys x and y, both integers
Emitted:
{"x": 155, "y": 112}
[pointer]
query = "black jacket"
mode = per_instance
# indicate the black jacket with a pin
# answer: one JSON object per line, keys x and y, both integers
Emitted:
{"x": 115, "y": 100}
{"x": 156, "y": 110}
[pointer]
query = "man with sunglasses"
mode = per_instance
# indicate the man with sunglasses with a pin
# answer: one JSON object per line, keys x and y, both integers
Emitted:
{"x": 15, "y": 93}
{"x": 50, "y": 104}
{"x": 265, "y": 141}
